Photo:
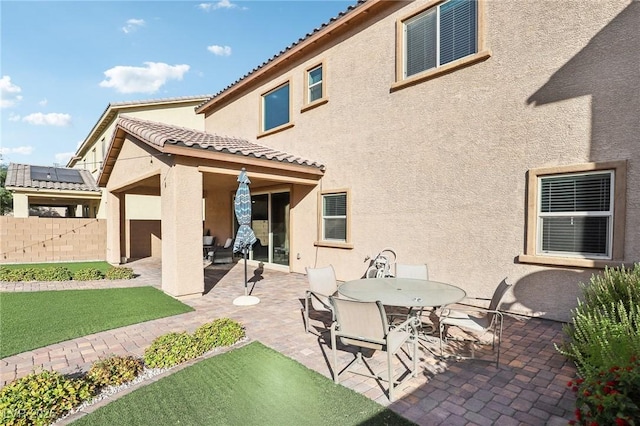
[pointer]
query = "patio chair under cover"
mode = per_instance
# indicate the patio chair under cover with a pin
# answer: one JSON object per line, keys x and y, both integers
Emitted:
{"x": 364, "y": 325}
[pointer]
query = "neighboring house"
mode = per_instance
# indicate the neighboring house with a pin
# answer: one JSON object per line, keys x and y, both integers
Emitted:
{"x": 52, "y": 191}
{"x": 143, "y": 224}
{"x": 489, "y": 139}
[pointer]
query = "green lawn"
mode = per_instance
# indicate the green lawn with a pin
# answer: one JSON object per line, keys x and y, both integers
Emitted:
{"x": 30, "y": 320}
{"x": 72, "y": 266}
{"x": 250, "y": 385}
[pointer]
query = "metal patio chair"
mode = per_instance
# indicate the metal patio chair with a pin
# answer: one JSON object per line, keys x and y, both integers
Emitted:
{"x": 364, "y": 325}
{"x": 476, "y": 320}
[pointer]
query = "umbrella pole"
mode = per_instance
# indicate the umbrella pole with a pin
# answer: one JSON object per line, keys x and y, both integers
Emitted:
{"x": 245, "y": 270}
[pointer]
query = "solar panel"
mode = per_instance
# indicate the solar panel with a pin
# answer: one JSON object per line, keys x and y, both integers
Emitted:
{"x": 53, "y": 174}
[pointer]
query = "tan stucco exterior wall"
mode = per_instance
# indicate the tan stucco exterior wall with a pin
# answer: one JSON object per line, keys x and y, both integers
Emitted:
{"x": 438, "y": 170}
{"x": 51, "y": 239}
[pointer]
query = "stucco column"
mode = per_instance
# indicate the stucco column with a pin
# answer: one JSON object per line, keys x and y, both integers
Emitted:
{"x": 181, "y": 210}
{"x": 113, "y": 209}
{"x": 20, "y": 205}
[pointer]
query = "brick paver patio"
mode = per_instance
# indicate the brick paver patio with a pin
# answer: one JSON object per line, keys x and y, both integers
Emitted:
{"x": 529, "y": 387}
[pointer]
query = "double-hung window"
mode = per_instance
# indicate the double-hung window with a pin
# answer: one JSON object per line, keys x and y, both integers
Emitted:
{"x": 276, "y": 110}
{"x": 334, "y": 217}
{"x": 576, "y": 214}
{"x": 314, "y": 84}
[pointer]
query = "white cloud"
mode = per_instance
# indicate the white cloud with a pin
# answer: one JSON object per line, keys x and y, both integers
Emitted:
{"x": 222, "y": 4}
{"x": 219, "y": 50}
{"x": 43, "y": 102}
{"x": 148, "y": 79}
{"x": 8, "y": 92}
{"x": 23, "y": 150}
{"x": 51, "y": 119}
{"x": 14, "y": 117}
{"x": 64, "y": 157}
{"x": 132, "y": 25}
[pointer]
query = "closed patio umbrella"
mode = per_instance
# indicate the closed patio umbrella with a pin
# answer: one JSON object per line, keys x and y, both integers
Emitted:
{"x": 245, "y": 237}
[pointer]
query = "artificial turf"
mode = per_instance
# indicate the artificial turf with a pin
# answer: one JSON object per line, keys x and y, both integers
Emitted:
{"x": 249, "y": 385}
{"x": 30, "y": 320}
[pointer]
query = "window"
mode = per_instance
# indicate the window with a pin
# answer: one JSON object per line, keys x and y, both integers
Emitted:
{"x": 275, "y": 108}
{"x": 440, "y": 35}
{"x": 104, "y": 151}
{"x": 94, "y": 160}
{"x": 314, "y": 84}
{"x": 440, "y": 38}
{"x": 334, "y": 219}
{"x": 576, "y": 212}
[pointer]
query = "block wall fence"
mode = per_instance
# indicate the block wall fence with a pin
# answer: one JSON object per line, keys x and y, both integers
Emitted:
{"x": 51, "y": 239}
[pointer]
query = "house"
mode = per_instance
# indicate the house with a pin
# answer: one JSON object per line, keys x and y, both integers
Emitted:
{"x": 52, "y": 191}
{"x": 489, "y": 139}
{"x": 142, "y": 229}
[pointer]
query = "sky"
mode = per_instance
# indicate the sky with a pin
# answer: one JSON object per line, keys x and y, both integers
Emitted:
{"x": 63, "y": 62}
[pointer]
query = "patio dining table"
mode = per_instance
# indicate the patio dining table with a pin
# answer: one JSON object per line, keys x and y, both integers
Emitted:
{"x": 407, "y": 292}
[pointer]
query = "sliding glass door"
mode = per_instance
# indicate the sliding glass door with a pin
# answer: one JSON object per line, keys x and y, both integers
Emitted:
{"x": 270, "y": 223}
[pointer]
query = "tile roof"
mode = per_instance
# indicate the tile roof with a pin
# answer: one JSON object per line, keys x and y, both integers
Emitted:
{"x": 20, "y": 176}
{"x": 159, "y": 134}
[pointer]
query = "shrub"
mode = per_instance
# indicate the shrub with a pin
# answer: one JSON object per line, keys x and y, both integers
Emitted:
{"x": 88, "y": 274}
{"x": 612, "y": 397}
{"x": 18, "y": 274}
{"x": 119, "y": 273}
{"x": 220, "y": 332}
{"x": 115, "y": 370}
{"x": 40, "y": 398}
{"x": 606, "y": 324}
{"x": 53, "y": 273}
{"x": 171, "y": 349}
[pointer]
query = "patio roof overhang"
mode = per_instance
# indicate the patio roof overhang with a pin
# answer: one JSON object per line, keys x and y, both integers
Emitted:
{"x": 219, "y": 155}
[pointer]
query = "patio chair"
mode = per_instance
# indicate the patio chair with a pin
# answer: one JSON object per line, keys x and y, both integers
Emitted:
{"x": 322, "y": 284}
{"x": 223, "y": 254}
{"x": 485, "y": 320}
{"x": 364, "y": 325}
{"x": 418, "y": 271}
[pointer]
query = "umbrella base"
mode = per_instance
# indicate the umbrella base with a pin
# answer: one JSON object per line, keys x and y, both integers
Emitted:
{"x": 246, "y": 301}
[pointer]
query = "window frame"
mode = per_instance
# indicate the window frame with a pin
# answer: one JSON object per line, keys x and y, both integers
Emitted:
{"x": 481, "y": 54}
{"x": 321, "y": 241}
{"x": 307, "y": 103}
{"x": 533, "y": 252}
{"x": 261, "y": 130}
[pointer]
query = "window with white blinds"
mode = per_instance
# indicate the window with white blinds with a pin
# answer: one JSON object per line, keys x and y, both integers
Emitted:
{"x": 440, "y": 35}
{"x": 575, "y": 214}
{"x": 334, "y": 217}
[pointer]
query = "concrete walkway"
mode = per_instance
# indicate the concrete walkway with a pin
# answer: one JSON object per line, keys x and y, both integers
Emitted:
{"x": 529, "y": 388}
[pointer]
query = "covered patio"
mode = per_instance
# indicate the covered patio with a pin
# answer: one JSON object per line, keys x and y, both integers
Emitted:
{"x": 193, "y": 175}
{"x": 528, "y": 388}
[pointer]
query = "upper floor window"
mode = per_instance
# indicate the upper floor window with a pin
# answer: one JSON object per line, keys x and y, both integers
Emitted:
{"x": 440, "y": 35}
{"x": 94, "y": 160}
{"x": 576, "y": 213}
{"x": 314, "y": 84}
{"x": 276, "y": 108}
